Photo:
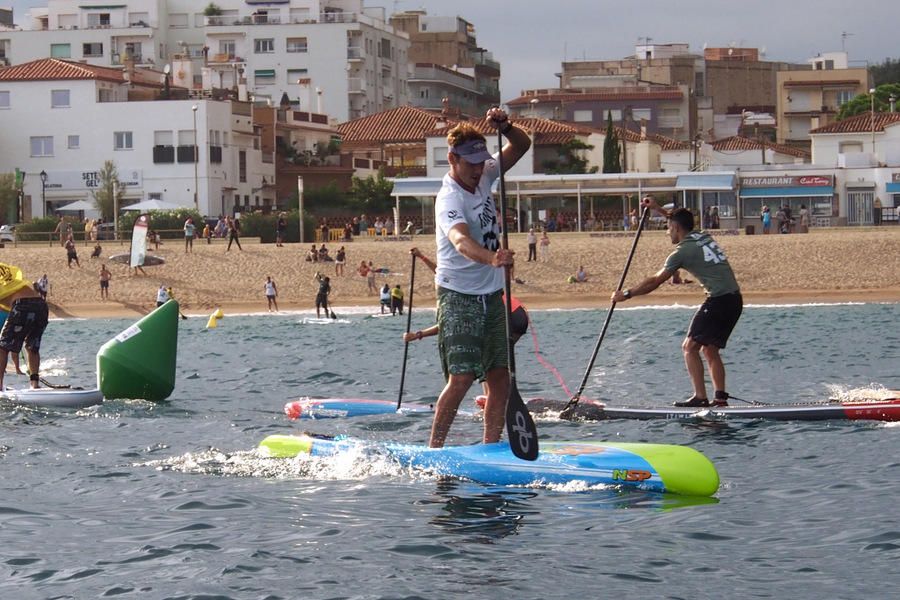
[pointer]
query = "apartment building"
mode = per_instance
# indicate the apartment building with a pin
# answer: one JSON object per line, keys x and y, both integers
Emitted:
{"x": 61, "y": 120}
{"x": 332, "y": 51}
{"x": 448, "y": 63}
{"x": 811, "y": 99}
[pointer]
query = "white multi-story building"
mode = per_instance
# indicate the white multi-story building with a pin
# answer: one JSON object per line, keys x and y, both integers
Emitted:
{"x": 61, "y": 120}
{"x": 332, "y": 56}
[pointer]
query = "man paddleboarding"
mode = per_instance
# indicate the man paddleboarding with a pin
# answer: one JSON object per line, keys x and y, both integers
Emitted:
{"x": 470, "y": 275}
{"x": 697, "y": 253}
{"x": 25, "y": 324}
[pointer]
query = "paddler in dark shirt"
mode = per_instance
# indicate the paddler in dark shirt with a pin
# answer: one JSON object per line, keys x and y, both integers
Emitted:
{"x": 322, "y": 294}
{"x": 697, "y": 253}
{"x": 26, "y": 322}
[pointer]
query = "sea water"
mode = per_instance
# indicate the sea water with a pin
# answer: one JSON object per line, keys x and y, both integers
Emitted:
{"x": 139, "y": 500}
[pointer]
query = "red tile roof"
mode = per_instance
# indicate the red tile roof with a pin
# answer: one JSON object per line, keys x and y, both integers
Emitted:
{"x": 543, "y": 132}
{"x": 597, "y": 94}
{"x": 397, "y": 125}
{"x": 55, "y": 69}
{"x": 862, "y": 123}
{"x": 737, "y": 143}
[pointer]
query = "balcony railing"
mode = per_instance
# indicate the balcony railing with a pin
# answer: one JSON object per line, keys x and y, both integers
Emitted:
{"x": 268, "y": 157}
{"x": 187, "y": 154}
{"x": 163, "y": 154}
{"x": 356, "y": 85}
{"x": 330, "y": 17}
{"x": 354, "y": 53}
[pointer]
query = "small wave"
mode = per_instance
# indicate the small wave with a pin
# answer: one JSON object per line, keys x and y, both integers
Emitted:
{"x": 873, "y": 392}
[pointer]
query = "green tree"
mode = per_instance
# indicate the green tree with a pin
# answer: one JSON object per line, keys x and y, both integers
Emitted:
{"x": 212, "y": 10}
{"x": 612, "y": 152}
{"x": 372, "y": 194}
{"x": 571, "y": 160}
{"x": 8, "y": 197}
{"x": 886, "y": 72}
{"x": 863, "y": 103}
{"x": 108, "y": 185}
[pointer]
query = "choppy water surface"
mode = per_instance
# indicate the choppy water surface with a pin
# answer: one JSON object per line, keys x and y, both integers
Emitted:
{"x": 136, "y": 500}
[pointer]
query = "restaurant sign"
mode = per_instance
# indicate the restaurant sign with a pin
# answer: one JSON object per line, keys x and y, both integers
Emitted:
{"x": 768, "y": 181}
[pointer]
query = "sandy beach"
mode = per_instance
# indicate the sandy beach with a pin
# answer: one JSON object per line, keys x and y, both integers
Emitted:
{"x": 833, "y": 265}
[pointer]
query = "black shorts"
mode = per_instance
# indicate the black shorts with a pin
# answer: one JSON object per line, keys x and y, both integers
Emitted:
{"x": 321, "y": 301}
{"x": 25, "y": 324}
{"x": 715, "y": 320}
{"x": 104, "y": 285}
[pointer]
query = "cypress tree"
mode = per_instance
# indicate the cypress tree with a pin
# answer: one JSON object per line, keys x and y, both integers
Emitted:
{"x": 612, "y": 160}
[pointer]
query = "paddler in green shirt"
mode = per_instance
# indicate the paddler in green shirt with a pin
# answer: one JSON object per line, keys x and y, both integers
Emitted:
{"x": 697, "y": 253}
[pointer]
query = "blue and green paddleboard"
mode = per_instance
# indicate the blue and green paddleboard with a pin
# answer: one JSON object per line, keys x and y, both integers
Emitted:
{"x": 652, "y": 467}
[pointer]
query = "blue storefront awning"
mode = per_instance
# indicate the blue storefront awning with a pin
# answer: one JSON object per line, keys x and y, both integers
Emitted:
{"x": 893, "y": 188}
{"x": 705, "y": 182}
{"x": 787, "y": 191}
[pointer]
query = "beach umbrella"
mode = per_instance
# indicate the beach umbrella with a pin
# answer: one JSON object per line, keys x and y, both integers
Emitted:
{"x": 79, "y": 205}
{"x": 153, "y": 205}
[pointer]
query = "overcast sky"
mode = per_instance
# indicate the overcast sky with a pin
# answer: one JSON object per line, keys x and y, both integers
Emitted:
{"x": 531, "y": 38}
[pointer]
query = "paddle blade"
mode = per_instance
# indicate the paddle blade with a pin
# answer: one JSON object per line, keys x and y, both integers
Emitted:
{"x": 520, "y": 427}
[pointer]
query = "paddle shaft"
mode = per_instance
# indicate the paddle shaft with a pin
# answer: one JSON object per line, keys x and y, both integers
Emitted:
{"x": 574, "y": 401}
{"x": 409, "y": 307}
{"x": 520, "y": 427}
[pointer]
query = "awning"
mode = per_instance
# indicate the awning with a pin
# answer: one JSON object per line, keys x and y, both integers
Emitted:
{"x": 800, "y": 191}
{"x": 264, "y": 73}
{"x": 417, "y": 186}
{"x": 893, "y": 188}
{"x": 705, "y": 182}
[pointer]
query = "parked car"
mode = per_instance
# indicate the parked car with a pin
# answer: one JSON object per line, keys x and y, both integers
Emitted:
{"x": 7, "y": 233}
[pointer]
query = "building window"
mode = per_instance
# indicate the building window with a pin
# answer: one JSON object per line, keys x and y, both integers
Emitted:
{"x": 583, "y": 116}
{"x": 42, "y": 145}
{"x": 59, "y": 99}
{"x": 242, "y": 166}
{"x": 264, "y": 46}
{"x": 845, "y": 96}
{"x": 60, "y": 50}
{"x": 640, "y": 113}
{"x": 73, "y": 142}
{"x": 122, "y": 140}
{"x": 92, "y": 49}
{"x": 295, "y": 74}
{"x": 4, "y": 99}
{"x": 264, "y": 77}
{"x": 98, "y": 20}
{"x": 297, "y": 45}
{"x": 424, "y": 93}
{"x": 615, "y": 115}
{"x": 439, "y": 157}
{"x": 850, "y": 147}
{"x": 178, "y": 20}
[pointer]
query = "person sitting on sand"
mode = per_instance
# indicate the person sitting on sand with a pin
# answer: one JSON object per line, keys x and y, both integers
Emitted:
{"x": 98, "y": 250}
{"x": 312, "y": 255}
{"x": 581, "y": 276}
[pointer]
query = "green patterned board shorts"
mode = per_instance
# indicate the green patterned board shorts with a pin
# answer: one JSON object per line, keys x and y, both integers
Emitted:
{"x": 472, "y": 336}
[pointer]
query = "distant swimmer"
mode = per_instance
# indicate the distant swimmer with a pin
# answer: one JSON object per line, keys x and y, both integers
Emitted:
{"x": 698, "y": 254}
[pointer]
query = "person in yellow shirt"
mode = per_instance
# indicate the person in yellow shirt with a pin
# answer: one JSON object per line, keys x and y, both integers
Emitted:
{"x": 396, "y": 300}
{"x": 25, "y": 324}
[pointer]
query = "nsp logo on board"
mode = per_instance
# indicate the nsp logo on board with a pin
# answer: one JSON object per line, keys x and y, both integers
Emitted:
{"x": 631, "y": 475}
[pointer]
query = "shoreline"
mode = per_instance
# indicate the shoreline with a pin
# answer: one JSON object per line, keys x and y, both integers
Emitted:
{"x": 824, "y": 266}
{"x": 359, "y": 305}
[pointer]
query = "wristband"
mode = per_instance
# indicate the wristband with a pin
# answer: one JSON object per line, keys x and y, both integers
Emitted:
{"x": 505, "y": 126}
{"x": 626, "y": 293}
{"x": 419, "y": 335}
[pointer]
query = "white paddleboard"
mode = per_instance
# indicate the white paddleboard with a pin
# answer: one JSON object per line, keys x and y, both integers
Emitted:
{"x": 53, "y": 397}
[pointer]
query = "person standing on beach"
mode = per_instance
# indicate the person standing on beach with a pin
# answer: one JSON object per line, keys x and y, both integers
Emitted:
{"x": 470, "y": 275}
{"x": 280, "y": 228}
{"x": 161, "y": 296}
{"x": 71, "y": 252}
{"x": 339, "y": 259}
{"x": 697, "y": 253}
{"x": 545, "y": 247}
{"x": 189, "y": 229}
{"x": 396, "y": 300}
{"x": 25, "y": 323}
{"x": 42, "y": 286}
{"x": 234, "y": 232}
{"x": 271, "y": 293}
{"x": 105, "y": 276}
{"x": 532, "y": 245}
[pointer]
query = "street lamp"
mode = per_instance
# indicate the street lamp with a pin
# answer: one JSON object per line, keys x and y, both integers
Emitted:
{"x": 872, "y": 117}
{"x": 196, "y": 160}
{"x": 43, "y": 177}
